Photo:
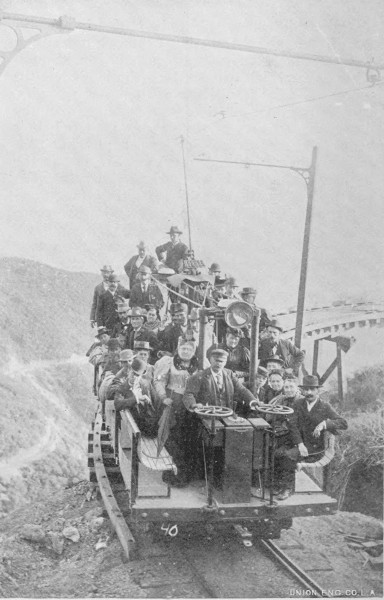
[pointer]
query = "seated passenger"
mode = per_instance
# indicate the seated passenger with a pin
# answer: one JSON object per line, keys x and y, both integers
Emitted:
{"x": 123, "y": 326}
{"x": 176, "y": 252}
{"x": 238, "y": 355}
{"x": 110, "y": 361}
{"x": 231, "y": 289}
{"x": 146, "y": 291}
{"x": 216, "y": 385}
{"x": 293, "y": 357}
{"x": 153, "y": 321}
{"x": 271, "y": 363}
{"x": 138, "y": 395}
{"x": 102, "y": 287}
{"x": 143, "y": 350}
{"x": 169, "y": 337}
{"x": 170, "y": 380}
{"x": 106, "y": 311}
{"x": 274, "y": 386}
{"x": 126, "y": 358}
{"x": 139, "y": 334}
{"x": 248, "y": 294}
{"x": 143, "y": 258}
{"x": 260, "y": 381}
{"x": 290, "y": 392}
{"x": 312, "y": 417}
{"x": 99, "y": 348}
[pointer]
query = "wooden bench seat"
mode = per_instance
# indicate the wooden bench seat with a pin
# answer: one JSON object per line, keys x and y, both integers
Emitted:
{"x": 329, "y": 453}
{"x": 147, "y": 454}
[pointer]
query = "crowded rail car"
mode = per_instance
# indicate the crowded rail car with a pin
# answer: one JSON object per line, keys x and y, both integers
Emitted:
{"x": 232, "y": 447}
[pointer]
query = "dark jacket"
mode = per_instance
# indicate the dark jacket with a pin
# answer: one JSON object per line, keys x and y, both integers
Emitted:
{"x": 151, "y": 296}
{"x": 307, "y": 421}
{"x": 202, "y": 388}
{"x": 131, "y": 269}
{"x": 146, "y": 415}
{"x": 292, "y": 356}
{"x": 267, "y": 394}
{"x": 169, "y": 338}
{"x": 106, "y": 312}
{"x": 238, "y": 358}
{"x": 99, "y": 289}
{"x": 175, "y": 255}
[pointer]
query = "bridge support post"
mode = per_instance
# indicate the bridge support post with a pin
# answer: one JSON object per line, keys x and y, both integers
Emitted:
{"x": 340, "y": 391}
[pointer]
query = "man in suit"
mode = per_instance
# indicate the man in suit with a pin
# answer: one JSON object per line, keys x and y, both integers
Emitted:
{"x": 106, "y": 311}
{"x": 238, "y": 355}
{"x": 139, "y": 334}
{"x": 176, "y": 252}
{"x": 138, "y": 260}
{"x": 292, "y": 356}
{"x": 102, "y": 287}
{"x": 123, "y": 327}
{"x": 312, "y": 417}
{"x": 216, "y": 385}
{"x": 138, "y": 395}
{"x": 146, "y": 291}
{"x": 169, "y": 338}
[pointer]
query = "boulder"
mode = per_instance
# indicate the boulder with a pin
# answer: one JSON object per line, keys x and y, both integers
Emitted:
{"x": 57, "y": 542}
{"x": 96, "y": 523}
{"x": 33, "y": 533}
{"x": 71, "y": 533}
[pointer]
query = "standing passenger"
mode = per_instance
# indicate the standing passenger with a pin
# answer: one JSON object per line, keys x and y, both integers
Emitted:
{"x": 106, "y": 312}
{"x": 102, "y": 287}
{"x": 146, "y": 291}
{"x": 142, "y": 259}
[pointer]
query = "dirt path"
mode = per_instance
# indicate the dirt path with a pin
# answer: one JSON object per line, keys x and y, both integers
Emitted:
{"x": 11, "y": 467}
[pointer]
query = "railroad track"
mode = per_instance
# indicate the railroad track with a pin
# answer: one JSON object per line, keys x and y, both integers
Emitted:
{"x": 187, "y": 562}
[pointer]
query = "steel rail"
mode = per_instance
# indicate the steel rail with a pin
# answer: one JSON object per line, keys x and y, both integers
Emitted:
{"x": 294, "y": 569}
{"x": 68, "y": 23}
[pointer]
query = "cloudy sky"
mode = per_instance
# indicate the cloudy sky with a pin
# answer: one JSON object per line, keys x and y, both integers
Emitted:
{"x": 90, "y": 156}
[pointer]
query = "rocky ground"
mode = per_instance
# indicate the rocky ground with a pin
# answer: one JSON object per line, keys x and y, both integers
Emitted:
{"x": 65, "y": 547}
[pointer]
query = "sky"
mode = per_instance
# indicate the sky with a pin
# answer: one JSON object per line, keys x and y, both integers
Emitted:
{"x": 90, "y": 153}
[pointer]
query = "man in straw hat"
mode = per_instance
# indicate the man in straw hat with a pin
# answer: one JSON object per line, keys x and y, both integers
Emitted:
{"x": 176, "y": 251}
{"x": 138, "y": 260}
{"x": 102, "y": 287}
{"x": 292, "y": 356}
{"x": 146, "y": 291}
{"x": 312, "y": 417}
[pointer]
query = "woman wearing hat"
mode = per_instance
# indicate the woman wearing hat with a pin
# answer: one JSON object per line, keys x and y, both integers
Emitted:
{"x": 176, "y": 252}
{"x": 170, "y": 380}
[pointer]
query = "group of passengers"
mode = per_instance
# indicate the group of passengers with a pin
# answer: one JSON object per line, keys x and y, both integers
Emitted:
{"x": 147, "y": 363}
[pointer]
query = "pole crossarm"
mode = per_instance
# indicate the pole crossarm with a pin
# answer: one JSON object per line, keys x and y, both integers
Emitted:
{"x": 65, "y": 23}
{"x": 304, "y": 172}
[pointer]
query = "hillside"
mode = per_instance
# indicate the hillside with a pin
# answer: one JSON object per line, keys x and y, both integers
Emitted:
{"x": 44, "y": 312}
{"x": 46, "y": 402}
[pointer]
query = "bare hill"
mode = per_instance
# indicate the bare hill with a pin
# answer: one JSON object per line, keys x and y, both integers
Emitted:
{"x": 44, "y": 311}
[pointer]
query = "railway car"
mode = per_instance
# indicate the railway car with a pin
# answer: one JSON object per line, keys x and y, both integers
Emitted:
{"x": 237, "y": 487}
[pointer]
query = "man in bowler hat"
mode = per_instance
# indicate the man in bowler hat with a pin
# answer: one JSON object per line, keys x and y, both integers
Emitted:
{"x": 292, "y": 356}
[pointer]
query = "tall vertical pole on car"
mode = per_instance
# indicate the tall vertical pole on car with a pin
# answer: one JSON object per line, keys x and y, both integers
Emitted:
{"x": 186, "y": 192}
{"x": 310, "y": 181}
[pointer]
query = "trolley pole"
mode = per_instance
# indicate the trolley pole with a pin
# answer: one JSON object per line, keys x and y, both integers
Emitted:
{"x": 304, "y": 258}
{"x": 186, "y": 192}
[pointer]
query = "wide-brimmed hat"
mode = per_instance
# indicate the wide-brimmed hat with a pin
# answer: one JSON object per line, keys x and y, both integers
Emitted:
{"x": 126, "y": 355}
{"x": 248, "y": 290}
{"x": 262, "y": 372}
{"x": 136, "y": 311}
{"x": 276, "y": 324}
{"x": 138, "y": 366}
{"x": 273, "y": 358}
{"x": 145, "y": 269}
{"x": 142, "y": 345}
{"x": 215, "y": 267}
{"x": 231, "y": 281}
{"x": 174, "y": 229}
{"x": 106, "y": 268}
{"x": 113, "y": 278}
{"x": 310, "y": 381}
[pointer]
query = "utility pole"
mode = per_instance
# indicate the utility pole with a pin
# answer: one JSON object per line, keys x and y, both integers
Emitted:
{"x": 308, "y": 174}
